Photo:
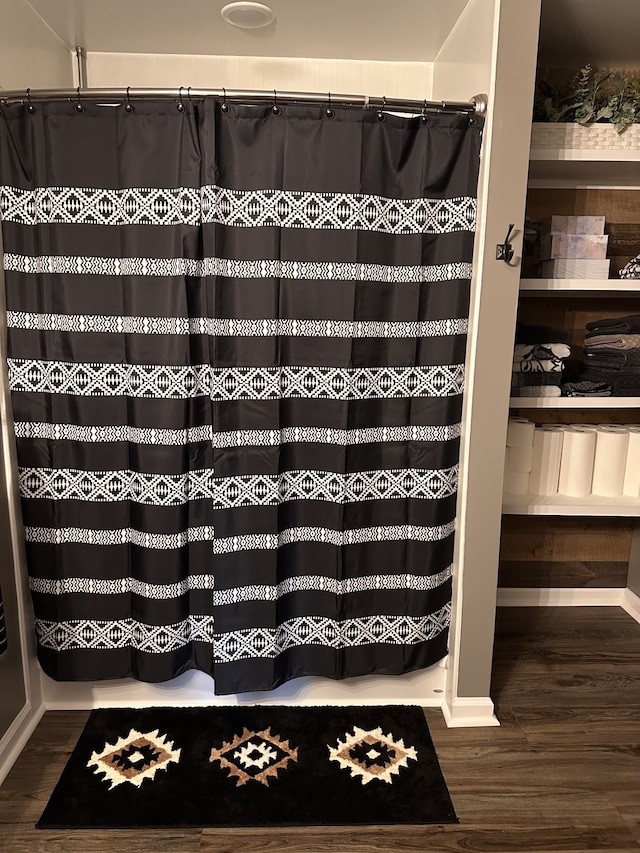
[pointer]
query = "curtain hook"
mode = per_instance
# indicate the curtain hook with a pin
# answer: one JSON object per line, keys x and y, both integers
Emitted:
{"x": 30, "y": 108}
{"x": 380, "y": 111}
{"x": 275, "y": 109}
{"x": 189, "y": 95}
{"x": 329, "y": 112}
{"x": 180, "y": 105}
{"x": 425, "y": 117}
{"x": 225, "y": 106}
{"x": 79, "y": 107}
{"x": 128, "y": 106}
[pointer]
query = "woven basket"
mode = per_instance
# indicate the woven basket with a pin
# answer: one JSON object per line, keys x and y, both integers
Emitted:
{"x": 601, "y": 137}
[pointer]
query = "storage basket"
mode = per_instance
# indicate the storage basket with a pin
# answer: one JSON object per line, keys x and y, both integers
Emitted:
{"x": 601, "y": 137}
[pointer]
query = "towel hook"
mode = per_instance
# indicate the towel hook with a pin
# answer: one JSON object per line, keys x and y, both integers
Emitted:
{"x": 504, "y": 251}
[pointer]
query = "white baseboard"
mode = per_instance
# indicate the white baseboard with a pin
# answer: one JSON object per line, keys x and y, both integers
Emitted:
{"x": 468, "y": 711}
{"x": 561, "y": 597}
{"x": 423, "y": 687}
{"x": 631, "y": 604}
{"x": 16, "y": 737}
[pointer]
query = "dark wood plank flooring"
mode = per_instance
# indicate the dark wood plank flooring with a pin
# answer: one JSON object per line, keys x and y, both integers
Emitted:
{"x": 562, "y": 773}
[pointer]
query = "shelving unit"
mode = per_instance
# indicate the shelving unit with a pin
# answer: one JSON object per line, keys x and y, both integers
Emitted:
{"x": 580, "y": 182}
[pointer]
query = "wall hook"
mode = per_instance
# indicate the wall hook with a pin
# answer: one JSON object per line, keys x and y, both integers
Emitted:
{"x": 504, "y": 251}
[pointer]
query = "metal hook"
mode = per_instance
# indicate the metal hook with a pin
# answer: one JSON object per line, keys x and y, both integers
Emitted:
{"x": 189, "y": 95}
{"x": 384, "y": 106}
{"x": 225, "y": 106}
{"x": 276, "y": 109}
{"x": 128, "y": 106}
{"x": 30, "y": 108}
{"x": 425, "y": 117}
{"x": 329, "y": 112}
{"x": 180, "y": 105}
{"x": 504, "y": 251}
{"x": 79, "y": 107}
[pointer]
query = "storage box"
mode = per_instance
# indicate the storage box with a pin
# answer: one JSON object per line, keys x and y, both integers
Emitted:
{"x": 591, "y": 246}
{"x": 574, "y": 268}
{"x": 573, "y": 225}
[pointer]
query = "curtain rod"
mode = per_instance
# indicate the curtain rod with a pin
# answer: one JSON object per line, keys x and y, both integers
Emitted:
{"x": 476, "y": 106}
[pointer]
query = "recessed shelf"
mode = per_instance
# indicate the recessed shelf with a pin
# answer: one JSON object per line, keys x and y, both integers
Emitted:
{"x": 564, "y": 505}
{"x": 574, "y": 403}
{"x": 575, "y": 167}
{"x": 609, "y": 287}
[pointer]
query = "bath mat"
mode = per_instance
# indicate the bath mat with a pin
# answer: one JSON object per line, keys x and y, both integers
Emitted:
{"x": 251, "y": 766}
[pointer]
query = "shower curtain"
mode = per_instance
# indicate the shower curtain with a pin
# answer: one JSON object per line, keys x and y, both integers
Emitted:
{"x": 236, "y": 342}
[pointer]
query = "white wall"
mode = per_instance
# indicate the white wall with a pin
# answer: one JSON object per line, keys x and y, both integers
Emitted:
{"x": 31, "y": 55}
{"x": 391, "y": 79}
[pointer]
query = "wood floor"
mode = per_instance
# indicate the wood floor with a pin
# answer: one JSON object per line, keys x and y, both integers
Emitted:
{"x": 562, "y": 773}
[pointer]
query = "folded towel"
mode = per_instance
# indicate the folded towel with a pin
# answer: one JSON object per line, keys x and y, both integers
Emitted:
{"x": 549, "y": 350}
{"x": 622, "y": 385}
{"x": 629, "y": 325}
{"x": 613, "y": 359}
{"x": 537, "y": 365}
{"x": 632, "y": 269}
{"x": 529, "y": 334}
{"x": 586, "y": 389}
{"x": 616, "y": 341}
{"x": 537, "y": 391}
{"x": 521, "y": 380}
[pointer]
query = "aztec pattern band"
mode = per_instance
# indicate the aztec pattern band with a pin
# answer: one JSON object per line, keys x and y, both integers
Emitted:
{"x": 236, "y": 355}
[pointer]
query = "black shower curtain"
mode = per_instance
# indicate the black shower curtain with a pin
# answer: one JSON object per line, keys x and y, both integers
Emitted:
{"x": 236, "y": 355}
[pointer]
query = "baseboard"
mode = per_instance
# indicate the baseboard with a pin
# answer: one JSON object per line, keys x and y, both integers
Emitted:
{"x": 16, "y": 737}
{"x": 424, "y": 687}
{"x": 468, "y": 711}
{"x": 631, "y": 604}
{"x": 561, "y": 597}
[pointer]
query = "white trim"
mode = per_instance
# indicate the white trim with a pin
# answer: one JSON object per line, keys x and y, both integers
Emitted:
{"x": 196, "y": 689}
{"x": 16, "y": 737}
{"x": 468, "y": 711}
{"x": 560, "y": 597}
{"x": 631, "y": 604}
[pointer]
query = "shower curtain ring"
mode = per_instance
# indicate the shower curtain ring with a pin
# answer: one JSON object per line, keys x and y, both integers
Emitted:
{"x": 381, "y": 116}
{"x": 225, "y": 106}
{"x": 180, "y": 105}
{"x": 30, "y": 108}
{"x": 425, "y": 117}
{"x": 329, "y": 112}
{"x": 275, "y": 109}
{"x": 128, "y": 106}
{"x": 79, "y": 107}
{"x": 189, "y": 95}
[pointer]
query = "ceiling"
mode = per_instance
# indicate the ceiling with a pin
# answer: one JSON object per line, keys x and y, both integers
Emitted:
{"x": 409, "y": 30}
{"x": 603, "y": 32}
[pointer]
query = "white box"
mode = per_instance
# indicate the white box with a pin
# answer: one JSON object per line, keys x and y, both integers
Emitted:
{"x": 591, "y": 246}
{"x": 575, "y": 268}
{"x": 574, "y": 225}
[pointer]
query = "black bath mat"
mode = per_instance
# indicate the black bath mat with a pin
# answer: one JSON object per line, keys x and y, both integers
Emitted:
{"x": 251, "y": 766}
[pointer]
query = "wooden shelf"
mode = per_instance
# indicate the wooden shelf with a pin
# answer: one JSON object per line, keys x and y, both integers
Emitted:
{"x": 608, "y": 287}
{"x": 594, "y": 505}
{"x": 574, "y": 402}
{"x": 574, "y": 167}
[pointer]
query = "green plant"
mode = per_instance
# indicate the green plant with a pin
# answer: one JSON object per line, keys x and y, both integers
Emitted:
{"x": 591, "y": 95}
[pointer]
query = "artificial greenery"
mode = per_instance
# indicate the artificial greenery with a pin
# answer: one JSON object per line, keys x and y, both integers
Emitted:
{"x": 591, "y": 95}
